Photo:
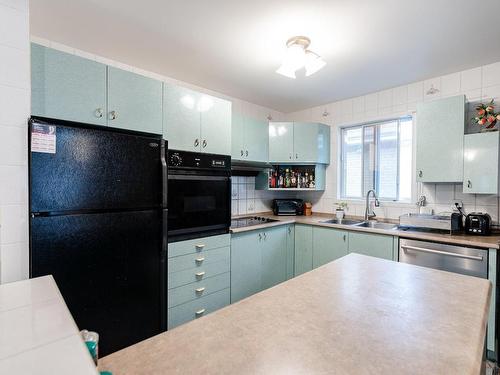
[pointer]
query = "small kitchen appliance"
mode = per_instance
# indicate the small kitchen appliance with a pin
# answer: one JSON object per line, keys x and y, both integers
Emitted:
{"x": 288, "y": 207}
{"x": 451, "y": 222}
{"x": 478, "y": 223}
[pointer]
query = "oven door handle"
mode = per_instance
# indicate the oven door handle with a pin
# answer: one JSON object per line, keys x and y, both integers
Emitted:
{"x": 197, "y": 177}
{"x": 440, "y": 252}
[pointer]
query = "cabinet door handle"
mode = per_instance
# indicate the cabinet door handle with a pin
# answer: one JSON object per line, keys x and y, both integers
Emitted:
{"x": 265, "y": 236}
{"x": 246, "y": 153}
{"x": 199, "y": 247}
{"x": 290, "y": 156}
{"x": 420, "y": 174}
{"x": 199, "y": 260}
{"x": 242, "y": 152}
{"x": 200, "y": 290}
{"x": 196, "y": 142}
{"x": 199, "y": 312}
{"x": 469, "y": 184}
{"x": 98, "y": 113}
{"x": 289, "y": 230}
{"x": 204, "y": 143}
{"x": 200, "y": 274}
{"x": 296, "y": 156}
{"x": 344, "y": 237}
{"x": 260, "y": 237}
{"x": 113, "y": 115}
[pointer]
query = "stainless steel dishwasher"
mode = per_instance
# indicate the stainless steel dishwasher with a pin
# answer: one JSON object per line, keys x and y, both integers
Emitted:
{"x": 465, "y": 260}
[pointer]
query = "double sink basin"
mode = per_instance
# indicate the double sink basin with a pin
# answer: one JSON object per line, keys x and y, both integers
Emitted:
{"x": 363, "y": 224}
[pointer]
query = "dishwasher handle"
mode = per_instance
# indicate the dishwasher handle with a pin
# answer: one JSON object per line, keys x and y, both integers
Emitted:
{"x": 440, "y": 252}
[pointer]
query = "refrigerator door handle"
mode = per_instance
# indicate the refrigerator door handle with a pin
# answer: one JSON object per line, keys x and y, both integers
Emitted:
{"x": 163, "y": 272}
{"x": 164, "y": 174}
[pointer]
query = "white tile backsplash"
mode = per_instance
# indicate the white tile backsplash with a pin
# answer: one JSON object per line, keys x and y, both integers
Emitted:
{"x": 491, "y": 74}
{"x": 471, "y": 79}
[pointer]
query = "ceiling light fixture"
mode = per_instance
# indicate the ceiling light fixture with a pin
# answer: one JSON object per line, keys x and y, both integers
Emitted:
{"x": 297, "y": 56}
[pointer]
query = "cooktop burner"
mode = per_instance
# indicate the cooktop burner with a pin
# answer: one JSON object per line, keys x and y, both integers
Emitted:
{"x": 249, "y": 221}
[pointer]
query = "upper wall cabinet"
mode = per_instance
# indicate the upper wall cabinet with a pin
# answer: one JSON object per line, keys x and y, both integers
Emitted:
{"x": 440, "y": 140}
{"x": 481, "y": 157}
{"x": 250, "y": 137}
{"x": 195, "y": 121}
{"x": 299, "y": 142}
{"x": 67, "y": 87}
{"x": 134, "y": 101}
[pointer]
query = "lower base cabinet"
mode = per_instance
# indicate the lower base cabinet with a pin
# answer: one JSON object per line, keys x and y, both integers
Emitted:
{"x": 198, "y": 278}
{"x": 303, "y": 249}
{"x": 258, "y": 260}
{"x": 375, "y": 245}
{"x": 328, "y": 245}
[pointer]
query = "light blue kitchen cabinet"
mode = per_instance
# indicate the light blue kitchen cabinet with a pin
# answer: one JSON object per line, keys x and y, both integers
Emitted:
{"x": 281, "y": 142}
{"x": 215, "y": 125}
{"x": 67, "y": 87}
{"x": 290, "y": 251}
{"x": 181, "y": 117}
{"x": 134, "y": 101}
{"x": 246, "y": 264}
{"x": 440, "y": 140}
{"x": 375, "y": 245}
{"x": 481, "y": 156}
{"x": 303, "y": 249}
{"x": 256, "y": 141}
{"x": 274, "y": 256}
{"x": 196, "y": 122}
{"x": 328, "y": 244}
{"x": 299, "y": 142}
{"x": 237, "y": 132}
{"x": 198, "y": 277}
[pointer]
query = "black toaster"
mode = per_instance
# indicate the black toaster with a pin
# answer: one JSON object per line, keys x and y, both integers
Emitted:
{"x": 478, "y": 223}
{"x": 288, "y": 207}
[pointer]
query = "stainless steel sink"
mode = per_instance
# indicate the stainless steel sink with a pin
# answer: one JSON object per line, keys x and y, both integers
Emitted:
{"x": 342, "y": 221}
{"x": 376, "y": 225}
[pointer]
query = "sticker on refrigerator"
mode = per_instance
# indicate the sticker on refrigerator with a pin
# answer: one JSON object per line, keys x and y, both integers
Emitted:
{"x": 43, "y": 138}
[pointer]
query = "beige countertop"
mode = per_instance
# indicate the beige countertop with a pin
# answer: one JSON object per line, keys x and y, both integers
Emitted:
{"x": 358, "y": 314}
{"x": 492, "y": 242}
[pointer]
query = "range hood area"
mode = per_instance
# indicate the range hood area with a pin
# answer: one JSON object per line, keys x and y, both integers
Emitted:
{"x": 248, "y": 168}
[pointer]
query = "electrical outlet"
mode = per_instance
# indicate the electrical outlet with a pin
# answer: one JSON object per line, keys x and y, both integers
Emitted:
{"x": 457, "y": 204}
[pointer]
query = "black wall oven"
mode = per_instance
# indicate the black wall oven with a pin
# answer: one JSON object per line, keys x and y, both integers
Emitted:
{"x": 199, "y": 195}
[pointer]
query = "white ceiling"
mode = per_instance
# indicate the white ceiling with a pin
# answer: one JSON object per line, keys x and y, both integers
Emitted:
{"x": 235, "y": 46}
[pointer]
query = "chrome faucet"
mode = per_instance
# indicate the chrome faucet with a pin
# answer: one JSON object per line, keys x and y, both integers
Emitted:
{"x": 368, "y": 211}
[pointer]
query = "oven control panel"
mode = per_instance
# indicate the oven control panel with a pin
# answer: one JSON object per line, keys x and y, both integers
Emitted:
{"x": 196, "y": 160}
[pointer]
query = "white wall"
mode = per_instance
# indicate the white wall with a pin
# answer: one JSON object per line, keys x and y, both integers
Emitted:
{"x": 479, "y": 84}
{"x": 14, "y": 113}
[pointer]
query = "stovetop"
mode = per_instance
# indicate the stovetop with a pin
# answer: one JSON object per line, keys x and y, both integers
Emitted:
{"x": 250, "y": 221}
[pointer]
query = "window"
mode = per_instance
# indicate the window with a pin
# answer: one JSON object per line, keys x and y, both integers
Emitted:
{"x": 377, "y": 156}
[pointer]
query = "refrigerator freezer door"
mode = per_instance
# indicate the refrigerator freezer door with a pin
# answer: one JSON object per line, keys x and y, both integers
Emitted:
{"x": 109, "y": 268}
{"x": 95, "y": 169}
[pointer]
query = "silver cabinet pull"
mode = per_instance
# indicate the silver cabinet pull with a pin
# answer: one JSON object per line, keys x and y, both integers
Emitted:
{"x": 345, "y": 237}
{"x": 265, "y": 236}
{"x": 242, "y": 152}
{"x": 290, "y": 156}
{"x": 196, "y": 142}
{"x": 200, "y": 290}
{"x": 296, "y": 156}
{"x": 199, "y": 312}
{"x": 260, "y": 237}
{"x": 199, "y": 260}
{"x": 113, "y": 115}
{"x": 246, "y": 153}
{"x": 440, "y": 252}
{"x": 420, "y": 174}
{"x": 200, "y": 274}
{"x": 469, "y": 184}
{"x": 204, "y": 143}
{"x": 289, "y": 230}
{"x": 98, "y": 112}
{"x": 199, "y": 247}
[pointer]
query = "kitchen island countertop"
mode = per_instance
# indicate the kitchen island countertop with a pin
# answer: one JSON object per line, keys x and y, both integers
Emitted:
{"x": 357, "y": 314}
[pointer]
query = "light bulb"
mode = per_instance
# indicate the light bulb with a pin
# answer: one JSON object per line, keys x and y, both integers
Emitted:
{"x": 313, "y": 63}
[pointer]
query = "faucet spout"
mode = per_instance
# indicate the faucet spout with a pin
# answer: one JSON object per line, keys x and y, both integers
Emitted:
{"x": 369, "y": 213}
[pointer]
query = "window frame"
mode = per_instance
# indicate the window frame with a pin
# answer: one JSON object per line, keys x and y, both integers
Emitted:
{"x": 376, "y": 176}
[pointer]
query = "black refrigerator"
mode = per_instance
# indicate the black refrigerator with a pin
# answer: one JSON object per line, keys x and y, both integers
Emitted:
{"x": 98, "y": 225}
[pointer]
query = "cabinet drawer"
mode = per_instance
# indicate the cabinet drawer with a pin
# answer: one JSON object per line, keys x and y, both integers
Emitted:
{"x": 176, "y": 279}
{"x": 197, "y": 260}
{"x": 198, "y": 289}
{"x": 198, "y": 245}
{"x": 197, "y": 308}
